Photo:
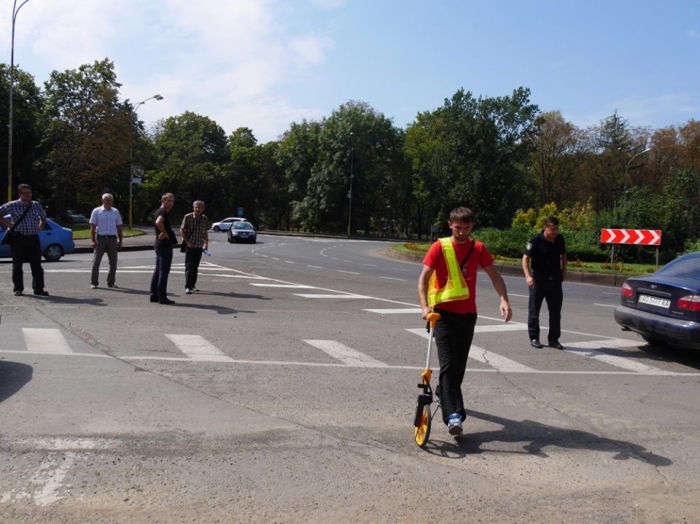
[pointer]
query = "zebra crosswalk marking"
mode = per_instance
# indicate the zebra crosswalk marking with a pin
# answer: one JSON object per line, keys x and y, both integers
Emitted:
{"x": 411, "y": 311}
{"x": 345, "y": 354}
{"x": 198, "y": 348}
{"x": 50, "y": 341}
{"x": 498, "y": 362}
{"x": 591, "y": 350}
{"x": 303, "y": 295}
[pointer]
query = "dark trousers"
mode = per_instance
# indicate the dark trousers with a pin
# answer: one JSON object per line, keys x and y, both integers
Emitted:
{"x": 549, "y": 289}
{"x": 159, "y": 280}
{"x": 108, "y": 244}
{"x": 193, "y": 256}
{"x": 27, "y": 249}
{"x": 453, "y": 336}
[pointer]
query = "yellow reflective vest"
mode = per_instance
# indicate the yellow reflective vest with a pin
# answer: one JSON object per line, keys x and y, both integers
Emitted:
{"x": 456, "y": 287}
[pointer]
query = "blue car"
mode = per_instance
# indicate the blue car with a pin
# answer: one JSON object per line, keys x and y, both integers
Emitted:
{"x": 56, "y": 241}
{"x": 664, "y": 307}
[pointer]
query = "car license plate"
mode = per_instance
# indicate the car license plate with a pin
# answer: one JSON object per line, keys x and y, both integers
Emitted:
{"x": 655, "y": 301}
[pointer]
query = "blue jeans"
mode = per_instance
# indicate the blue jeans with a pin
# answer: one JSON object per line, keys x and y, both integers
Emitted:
{"x": 159, "y": 280}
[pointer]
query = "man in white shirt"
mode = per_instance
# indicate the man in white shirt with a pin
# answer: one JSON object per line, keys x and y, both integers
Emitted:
{"x": 106, "y": 235}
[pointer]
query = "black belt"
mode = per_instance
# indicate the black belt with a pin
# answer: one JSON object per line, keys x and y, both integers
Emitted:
{"x": 107, "y": 236}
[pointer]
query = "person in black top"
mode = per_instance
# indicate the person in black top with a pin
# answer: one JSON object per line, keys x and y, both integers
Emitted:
{"x": 547, "y": 253}
{"x": 165, "y": 240}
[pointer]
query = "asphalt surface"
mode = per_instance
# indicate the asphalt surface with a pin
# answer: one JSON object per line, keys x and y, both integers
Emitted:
{"x": 284, "y": 390}
{"x": 145, "y": 242}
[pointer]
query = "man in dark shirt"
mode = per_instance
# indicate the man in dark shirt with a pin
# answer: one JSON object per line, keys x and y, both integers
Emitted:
{"x": 547, "y": 252}
{"x": 165, "y": 240}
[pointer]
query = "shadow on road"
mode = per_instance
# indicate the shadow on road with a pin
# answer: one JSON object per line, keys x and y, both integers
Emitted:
{"x": 535, "y": 438}
{"x": 13, "y": 377}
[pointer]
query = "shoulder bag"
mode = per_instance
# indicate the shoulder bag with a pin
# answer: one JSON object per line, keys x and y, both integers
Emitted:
{"x": 7, "y": 239}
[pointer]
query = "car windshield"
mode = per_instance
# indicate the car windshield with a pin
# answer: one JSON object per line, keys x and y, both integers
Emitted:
{"x": 242, "y": 225}
{"x": 688, "y": 267}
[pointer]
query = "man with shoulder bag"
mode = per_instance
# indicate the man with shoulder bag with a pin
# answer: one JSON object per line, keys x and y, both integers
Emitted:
{"x": 27, "y": 220}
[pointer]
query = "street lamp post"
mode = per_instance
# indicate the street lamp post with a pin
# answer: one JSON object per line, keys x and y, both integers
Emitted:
{"x": 131, "y": 159}
{"x": 350, "y": 192}
{"x": 15, "y": 10}
{"x": 630, "y": 161}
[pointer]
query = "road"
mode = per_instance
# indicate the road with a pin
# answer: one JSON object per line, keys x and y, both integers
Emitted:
{"x": 284, "y": 391}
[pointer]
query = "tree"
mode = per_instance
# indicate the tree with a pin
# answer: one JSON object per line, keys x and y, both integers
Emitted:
{"x": 476, "y": 151}
{"x": 556, "y": 155}
{"x": 359, "y": 152}
{"x": 87, "y": 134}
{"x": 192, "y": 151}
{"x": 297, "y": 155}
{"x": 27, "y": 126}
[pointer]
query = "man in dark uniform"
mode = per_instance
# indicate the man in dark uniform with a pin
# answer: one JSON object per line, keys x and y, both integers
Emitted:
{"x": 547, "y": 252}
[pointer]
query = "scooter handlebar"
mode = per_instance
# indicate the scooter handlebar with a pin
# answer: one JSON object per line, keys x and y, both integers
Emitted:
{"x": 433, "y": 318}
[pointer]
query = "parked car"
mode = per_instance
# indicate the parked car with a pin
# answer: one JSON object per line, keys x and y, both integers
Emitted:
{"x": 225, "y": 224}
{"x": 76, "y": 218}
{"x": 55, "y": 240}
{"x": 664, "y": 307}
{"x": 242, "y": 232}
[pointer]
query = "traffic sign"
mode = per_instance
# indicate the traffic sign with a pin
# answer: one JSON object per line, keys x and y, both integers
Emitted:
{"x": 640, "y": 237}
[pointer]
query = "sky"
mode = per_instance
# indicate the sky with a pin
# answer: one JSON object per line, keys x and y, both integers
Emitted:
{"x": 264, "y": 64}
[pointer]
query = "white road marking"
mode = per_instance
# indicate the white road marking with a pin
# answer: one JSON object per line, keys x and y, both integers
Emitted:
{"x": 605, "y": 305}
{"x": 349, "y": 272}
{"x": 315, "y": 267}
{"x": 47, "y": 341}
{"x": 392, "y": 278}
{"x": 289, "y": 286}
{"x": 497, "y": 328}
{"x": 516, "y": 295}
{"x": 198, "y": 348}
{"x": 412, "y": 311}
{"x": 346, "y": 355}
{"x": 308, "y": 295}
{"x": 591, "y": 350}
{"x": 46, "y": 480}
{"x": 498, "y": 362}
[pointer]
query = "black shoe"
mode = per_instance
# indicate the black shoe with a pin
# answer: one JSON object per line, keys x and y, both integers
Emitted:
{"x": 18, "y": 293}
{"x": 555, "y": 344}
{"x": 41, "y": 293}
{"x": 166, "y": 301}
{"x": 154, "y": 298}
{"x": 535, "y": 343}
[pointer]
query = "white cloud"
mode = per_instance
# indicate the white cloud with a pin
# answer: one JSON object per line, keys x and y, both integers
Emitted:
{"x": 226, "y": 60}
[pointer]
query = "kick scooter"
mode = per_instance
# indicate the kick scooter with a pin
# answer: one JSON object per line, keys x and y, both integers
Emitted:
{"x": 424, "y": 416}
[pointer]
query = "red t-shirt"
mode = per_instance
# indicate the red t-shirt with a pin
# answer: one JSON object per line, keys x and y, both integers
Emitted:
{"x": 480, "y": 256}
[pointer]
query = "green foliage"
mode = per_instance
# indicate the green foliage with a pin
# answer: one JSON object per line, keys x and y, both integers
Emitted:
{"x": 506, "y": 243}
{"x": 470, "y": 152}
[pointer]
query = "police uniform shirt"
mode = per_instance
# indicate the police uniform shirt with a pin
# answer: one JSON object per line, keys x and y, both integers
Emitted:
{"x": 546, "y": 255}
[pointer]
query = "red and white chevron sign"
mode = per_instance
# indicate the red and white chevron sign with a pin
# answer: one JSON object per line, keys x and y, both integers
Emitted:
{"x": 640, "y": 237}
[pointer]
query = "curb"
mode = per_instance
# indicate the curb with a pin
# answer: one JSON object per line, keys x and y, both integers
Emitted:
{"x": 515, "y": 271}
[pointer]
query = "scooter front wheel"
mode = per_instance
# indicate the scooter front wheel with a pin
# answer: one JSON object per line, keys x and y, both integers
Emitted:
{"x": 423, "y": 422}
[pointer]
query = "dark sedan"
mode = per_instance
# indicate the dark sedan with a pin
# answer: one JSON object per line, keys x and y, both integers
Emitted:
{"x": 242, "y": 232}
{"x": 664, "y": 308}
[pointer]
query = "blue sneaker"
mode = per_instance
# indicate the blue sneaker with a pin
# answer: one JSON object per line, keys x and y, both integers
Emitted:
{"x": 454, "y": 424}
